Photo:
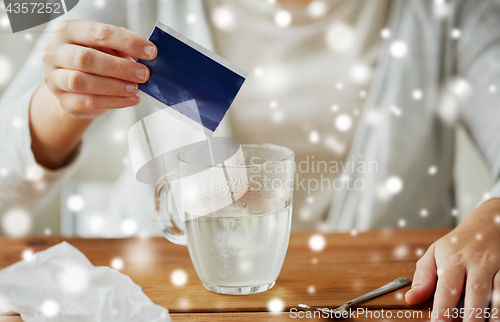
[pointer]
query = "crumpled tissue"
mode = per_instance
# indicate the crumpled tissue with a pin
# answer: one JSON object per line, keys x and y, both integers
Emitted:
{"x": 61, "y": 284}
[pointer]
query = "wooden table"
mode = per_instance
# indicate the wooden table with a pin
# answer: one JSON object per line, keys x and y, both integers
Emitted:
{"x": 349, "y": 265}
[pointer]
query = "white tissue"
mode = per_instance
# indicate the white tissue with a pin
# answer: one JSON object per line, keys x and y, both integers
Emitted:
{"x": 61, "y": 284}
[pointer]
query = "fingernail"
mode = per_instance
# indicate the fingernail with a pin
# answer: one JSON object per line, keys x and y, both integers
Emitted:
{"x": 134, "y": 99}
{"x": 141, "y": 73}
{"x": 149, "y": 50}
{"x": 131, "y": 88}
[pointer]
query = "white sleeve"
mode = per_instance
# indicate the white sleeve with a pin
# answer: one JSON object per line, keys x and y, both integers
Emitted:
{"x": 19, "y": 172}
{"x": 478, "y": 61}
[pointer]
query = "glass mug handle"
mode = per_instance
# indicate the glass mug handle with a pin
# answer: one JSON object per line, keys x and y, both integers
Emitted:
{"x": 166, "y": 212}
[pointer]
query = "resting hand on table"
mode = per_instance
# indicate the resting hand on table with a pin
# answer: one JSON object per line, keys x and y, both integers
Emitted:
{"x": 87, "y": 70}
{"x": 465, "y": 260}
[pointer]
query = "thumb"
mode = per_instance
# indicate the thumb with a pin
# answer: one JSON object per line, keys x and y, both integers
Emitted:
{"x": 424, "y": 279}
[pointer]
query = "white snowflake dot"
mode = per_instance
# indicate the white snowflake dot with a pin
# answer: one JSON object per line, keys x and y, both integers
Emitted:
{"x": 278, "y": 116}
{"x": 273, "y": 104}
{"x": 432, "y": 170}
{"x": 35, "y": 173}
{"x": 479, "y": 236}
{"x": 424, "y": 212}
{"x": 6, "y": 68}
{"x": 497, "y": 219}
{"x": 282, "y": 18}
{"x": 454, "y": 239}
{"x": 27, "y": 255}
{"x": 354, "y": 232}
{"x": 394, "y": 184}
{"x": 17, "y": 122}
{"x": 454, "y": 212}
{"x": 492, "y": 88}
{"x": 398, "y": 49}
{"x": 223, "y": 18}
{"x": 50, "y": 308}
{"x": 75, "y": 203}
{"x": 16, "y": 222}
{"x": 179, "y": 277}
{"x": 311, "y": 289}
{"x": 275, "y": 306}
{"x": 100, "y": 4}
{"x": 334, "y": 108}
{"x": 191, "y": 18}
{"x": 419, "y": 252}
{"x": 317, "y": 8}
{"x": 343, "y": 122}
{"x": 74, "y": 279}
{"x": 340, "y": 37}
{"x": 401, "y": 251}
{"x": 4, "y": 21}
{"x": 314, "y": 137}
{"x": 401, "y": 223}
{"x": 129, "y": 227}
{"x": 258, "y": 71}
{"x": 117, "y": 263}
{"x": 385, "y": 33}
{"x": 360, "y": 73}
{"x": 396, "y": 110}
{"x": 119, "y": 135}
{"x": 417, "y": 95}
{"x": 456, "y": 33}
{"x": 317, "y": 242}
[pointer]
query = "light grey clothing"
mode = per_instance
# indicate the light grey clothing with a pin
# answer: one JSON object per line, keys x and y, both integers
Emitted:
{"x": 405, "y": 144}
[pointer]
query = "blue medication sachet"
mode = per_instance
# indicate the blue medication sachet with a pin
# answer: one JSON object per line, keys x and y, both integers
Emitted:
{"x": 184, "y": 70}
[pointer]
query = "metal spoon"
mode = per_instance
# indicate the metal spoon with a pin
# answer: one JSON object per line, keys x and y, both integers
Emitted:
{"x": 394, "y": 285}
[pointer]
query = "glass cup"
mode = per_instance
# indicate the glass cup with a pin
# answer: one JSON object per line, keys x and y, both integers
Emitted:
{"x": 238, "y": 248}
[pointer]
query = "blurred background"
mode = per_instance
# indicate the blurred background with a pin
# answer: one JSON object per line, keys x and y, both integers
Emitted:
{"x": 95, "y": 178}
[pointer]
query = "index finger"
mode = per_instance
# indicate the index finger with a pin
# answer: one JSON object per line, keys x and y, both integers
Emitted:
{"x": 94, "y": 34}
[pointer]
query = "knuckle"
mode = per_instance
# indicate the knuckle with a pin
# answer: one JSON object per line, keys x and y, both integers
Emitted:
{"x": 46, "y": 54}
{"x": 83, "y": 58}
{"x": 487, "y": 258}
{"x": 100, "y": 32}
{"x": 65, "y": 102}
{"x": 46, "y": 78}
{"x": 456, "y": 259}
{"x": 63, "y": 26}
{"x": 128, "y": 41}
{"x": 448, "y": 287}
{"x": 479, "y": 287}
{"x": 117, "y": 68}
{"x": 90, "y": 102}
{"x": 76, "y": 81}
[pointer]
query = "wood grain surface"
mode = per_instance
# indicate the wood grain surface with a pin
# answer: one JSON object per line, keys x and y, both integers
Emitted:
{"x": 349, "y": 265}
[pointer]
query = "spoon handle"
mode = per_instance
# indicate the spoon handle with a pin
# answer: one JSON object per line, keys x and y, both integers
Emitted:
{"x": 394, "y": 285}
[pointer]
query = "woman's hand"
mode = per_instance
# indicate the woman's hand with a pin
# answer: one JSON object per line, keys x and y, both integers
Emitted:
{"x": 87, "y": 70}
{"x": 87, "y": 67}
{"x": 465, "y": 260}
